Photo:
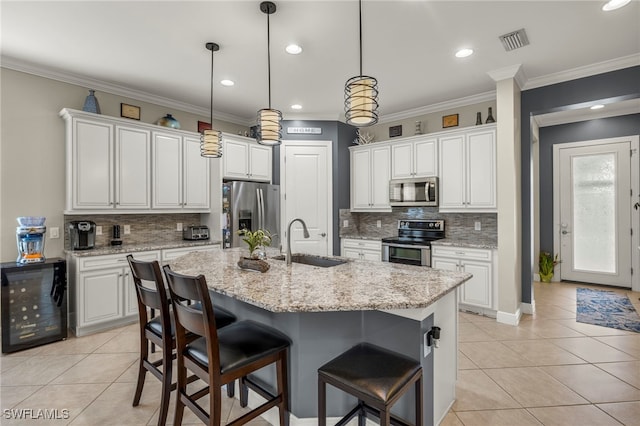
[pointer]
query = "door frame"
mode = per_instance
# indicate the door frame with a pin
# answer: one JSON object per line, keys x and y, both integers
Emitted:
{"x": 635, "y": 188}
{"x": 329, "y": 202}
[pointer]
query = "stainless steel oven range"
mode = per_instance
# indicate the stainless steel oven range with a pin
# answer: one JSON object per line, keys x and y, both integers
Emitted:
{"x": 412, "y": 246}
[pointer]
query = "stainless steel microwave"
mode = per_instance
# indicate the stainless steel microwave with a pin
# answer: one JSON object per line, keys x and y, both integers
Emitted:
{"x": 413, "y": 192}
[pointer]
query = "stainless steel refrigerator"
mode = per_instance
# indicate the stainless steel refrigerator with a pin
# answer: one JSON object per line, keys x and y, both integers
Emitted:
{"x": 250, "y": 205}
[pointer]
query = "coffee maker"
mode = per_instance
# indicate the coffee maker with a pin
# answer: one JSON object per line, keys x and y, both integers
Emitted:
{"x": 82, "y": 234}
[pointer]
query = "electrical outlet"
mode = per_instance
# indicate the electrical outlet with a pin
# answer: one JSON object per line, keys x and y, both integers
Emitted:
{"x": 127, "y": 229}
{"x": 478, "y": 226}
{"x": 179, "y": 226}
{"x": 54, "y": 232}
{"x": 425, "y": 344}
{"x": 98, "y": 230}
{"x": 345, "y": 223}
{"x": 379, "y": 223}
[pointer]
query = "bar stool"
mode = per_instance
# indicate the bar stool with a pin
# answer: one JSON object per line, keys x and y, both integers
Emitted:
{"x": 377, "y": 377}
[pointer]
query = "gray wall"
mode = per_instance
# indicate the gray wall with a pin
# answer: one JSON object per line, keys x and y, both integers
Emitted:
{"x": 342, "y": 136}
{"x": 620, "y": 84}
{"x": 574, "y": 132}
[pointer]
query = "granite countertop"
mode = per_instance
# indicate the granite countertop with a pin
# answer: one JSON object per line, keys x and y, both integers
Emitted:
{"x": 478, "y": 243}
{"x": 132, "y": 248}
{"x": 356, "y": 285}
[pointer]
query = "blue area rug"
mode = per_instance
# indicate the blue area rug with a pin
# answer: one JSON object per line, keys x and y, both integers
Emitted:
{"x": 606, "y": 309}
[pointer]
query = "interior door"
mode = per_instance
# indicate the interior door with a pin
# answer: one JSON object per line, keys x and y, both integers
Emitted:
{"x": 595, "y": 213}
{"x": 307, "y": 180}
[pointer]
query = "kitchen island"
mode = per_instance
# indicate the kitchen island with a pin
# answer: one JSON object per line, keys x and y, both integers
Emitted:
{"x": 325, "y": 311}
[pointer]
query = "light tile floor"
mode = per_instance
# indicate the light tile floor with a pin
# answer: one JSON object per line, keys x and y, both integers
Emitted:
{"x": 549, "y": 370}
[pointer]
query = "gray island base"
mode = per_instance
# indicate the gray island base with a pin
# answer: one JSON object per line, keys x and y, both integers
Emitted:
{"x": 326, "y": 311}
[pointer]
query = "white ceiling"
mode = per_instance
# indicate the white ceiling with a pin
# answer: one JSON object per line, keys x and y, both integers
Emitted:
{"x": 155, "y": 49}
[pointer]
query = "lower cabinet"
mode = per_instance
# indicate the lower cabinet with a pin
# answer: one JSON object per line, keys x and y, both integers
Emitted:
{"x": 355, "y": 248}
{"x": 479, "y": 294}
{"x": 101, "y": 290}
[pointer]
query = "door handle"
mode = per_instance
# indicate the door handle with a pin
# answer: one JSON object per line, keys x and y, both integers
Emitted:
{"x": 564, "y": 232}
{"x": 324, "y": 234}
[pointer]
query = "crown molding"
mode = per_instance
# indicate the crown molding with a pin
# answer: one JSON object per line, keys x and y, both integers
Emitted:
{"x": 441, "y": 106}
{"x": 513, "y": 71}
{"x": 581, "y": 72}
{"x": 114, "y": 89}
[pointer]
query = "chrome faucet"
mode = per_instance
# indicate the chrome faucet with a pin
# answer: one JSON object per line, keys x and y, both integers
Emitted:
{"x": 305, "y": 233}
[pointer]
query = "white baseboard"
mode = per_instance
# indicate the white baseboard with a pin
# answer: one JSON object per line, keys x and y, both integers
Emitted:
{"x": 509, "y": 318}
{"x": 528, "y": 308}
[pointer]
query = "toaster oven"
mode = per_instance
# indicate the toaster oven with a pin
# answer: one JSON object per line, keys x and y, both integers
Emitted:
{"x": 195, "y": 232}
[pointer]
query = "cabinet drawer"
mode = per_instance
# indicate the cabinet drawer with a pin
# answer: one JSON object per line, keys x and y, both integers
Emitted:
{"x": 114, "y": 260}
{"x": 462, "y": 253}
{"x": 355, "y": 243}
{"x": 170, "y": 254}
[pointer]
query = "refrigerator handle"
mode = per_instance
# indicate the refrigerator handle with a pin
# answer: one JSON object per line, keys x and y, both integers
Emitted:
{"x": 261, "y": 209}
{"x": 259, "y": 199}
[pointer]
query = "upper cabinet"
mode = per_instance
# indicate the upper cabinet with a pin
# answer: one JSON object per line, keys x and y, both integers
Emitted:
{"x": 468, "y": 171}
{"x": 370, "y": 174}
{"x": 414, "y": 157}
{"x": 109, "y": 167}
{"x": 245, "y": 159}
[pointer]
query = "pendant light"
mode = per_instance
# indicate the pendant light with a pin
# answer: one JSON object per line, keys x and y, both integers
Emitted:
{"x": 211, "y": 140}
{"x": 361, "y": 94}
{"x": 269, "y": 127}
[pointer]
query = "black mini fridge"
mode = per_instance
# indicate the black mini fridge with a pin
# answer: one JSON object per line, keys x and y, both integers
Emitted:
{"x": 34, "y": 304}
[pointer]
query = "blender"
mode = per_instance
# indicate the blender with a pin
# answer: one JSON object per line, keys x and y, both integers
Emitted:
{"x": 30, "y": 239}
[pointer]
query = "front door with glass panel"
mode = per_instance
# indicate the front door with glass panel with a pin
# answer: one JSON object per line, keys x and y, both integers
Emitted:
{"x": 595, "y": 213}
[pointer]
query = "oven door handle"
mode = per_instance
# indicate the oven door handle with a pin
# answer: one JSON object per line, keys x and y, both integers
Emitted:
{"x": 406, "y": 246}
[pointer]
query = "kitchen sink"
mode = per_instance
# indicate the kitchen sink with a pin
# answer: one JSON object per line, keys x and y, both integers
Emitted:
{"x": 313, "y": 260}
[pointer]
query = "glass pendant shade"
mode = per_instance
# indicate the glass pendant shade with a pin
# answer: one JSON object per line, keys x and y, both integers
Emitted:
{"x": 361, "y": 101}
{"x": 269, "y": 127}
{"x": 211, "y": 144}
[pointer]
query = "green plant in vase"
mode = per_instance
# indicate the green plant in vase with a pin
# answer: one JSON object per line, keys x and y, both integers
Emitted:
{"x": 255, "y": 240}
{"x": 546, "y": 263}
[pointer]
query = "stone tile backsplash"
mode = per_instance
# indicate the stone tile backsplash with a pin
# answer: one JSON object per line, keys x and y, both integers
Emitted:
{"x": 458, "y": 226}
{"x": 145, "y": 228}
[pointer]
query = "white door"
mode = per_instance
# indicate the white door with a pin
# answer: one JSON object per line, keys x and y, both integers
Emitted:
{"x": 305, "y": 190}
{"x": 595, "y": 213}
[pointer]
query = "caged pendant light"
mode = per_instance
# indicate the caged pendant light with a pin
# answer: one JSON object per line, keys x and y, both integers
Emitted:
{"x": 361, "y": 93}
{"x": 269, "y": 130}
{"x": 211, "y": 140}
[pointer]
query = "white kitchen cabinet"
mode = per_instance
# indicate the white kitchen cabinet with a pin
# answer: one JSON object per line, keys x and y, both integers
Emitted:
{"x": 370, "y": 174}
{"x": 108, "y": 166}
{"x": 467, "y": 163}
{"x": 479, "y": 294}
{"x": 355, "y": 248}
{"x": 101, "y": 291}
{"x": 180, "y": 175}
{"x": 414, "y": 157}
{"x": 244, "y": 158}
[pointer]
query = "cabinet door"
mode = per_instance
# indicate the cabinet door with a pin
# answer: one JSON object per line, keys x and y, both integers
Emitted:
{"x": 444, "y": 264}
{"x": 167, "y": 171}
{"x": 360, "y": 179}
{"x": 129, "y": 291}
{"x": 477, "y": 291}
{"x": 425, "y": 158}
{"x": 100, "y": 296}
{"x": 380, "y": 175}
{"x": 133, "y": 168}
{"x": 92, "y": 162}
{"x": 235, "y": 159}
{"x": 372, "y": 255}
{"x": 260, "y": 162}
{"x": 402, "y": 161}
{"x": 481, "y": 165}
{"x": 452, "y": 172}
{"x": 196, "y": 170}
{"x": 350, "y": 253}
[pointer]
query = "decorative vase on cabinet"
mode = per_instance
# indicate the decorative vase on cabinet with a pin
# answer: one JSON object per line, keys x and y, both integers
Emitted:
{"x": 490, "y": 118}
{"x": 91, "y": 103}
{"x": 168, "y": 121}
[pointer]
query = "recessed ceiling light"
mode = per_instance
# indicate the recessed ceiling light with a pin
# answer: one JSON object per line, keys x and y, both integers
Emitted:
{"x": 599, "y": 106}
{"x": 463, "y": 53}
{"x": 296, "y": 106}
{"x": 293, "y": 49}
{"x": 227, "y": 83}
{"x": 615, "y": 4}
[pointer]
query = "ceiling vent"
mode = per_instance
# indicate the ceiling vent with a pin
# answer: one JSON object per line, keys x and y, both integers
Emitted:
{"x": 514, "y": 40}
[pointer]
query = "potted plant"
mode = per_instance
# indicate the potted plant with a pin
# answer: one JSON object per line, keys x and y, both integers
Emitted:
{"x": 546, "y": 263}
{"x": 256, "y": 240}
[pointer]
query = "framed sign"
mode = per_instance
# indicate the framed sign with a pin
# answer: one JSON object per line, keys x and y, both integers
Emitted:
{"x": 395, "y": 131}
{"x": 449, "y": 121}
{"x": 130, "y": 111}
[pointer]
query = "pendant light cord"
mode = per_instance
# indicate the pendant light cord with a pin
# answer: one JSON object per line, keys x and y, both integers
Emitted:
{"x": 211, "y": 96}
{"x": 360, "y": 21}
{"x": 269, "y": 59}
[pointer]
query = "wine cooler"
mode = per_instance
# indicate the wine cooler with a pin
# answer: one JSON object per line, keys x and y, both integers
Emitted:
{"x": 34, "y": 304}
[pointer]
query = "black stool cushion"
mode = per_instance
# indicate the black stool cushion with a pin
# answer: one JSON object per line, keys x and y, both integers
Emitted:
{"x": 372, "y": 370}
{"x": 240, "y": 344}
{"x": 223, "y": 318}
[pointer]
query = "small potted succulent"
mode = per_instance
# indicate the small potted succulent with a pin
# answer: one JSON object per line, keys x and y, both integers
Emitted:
{"x": 546, "y": 263}
{"x": 257, "y": 241}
